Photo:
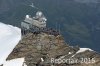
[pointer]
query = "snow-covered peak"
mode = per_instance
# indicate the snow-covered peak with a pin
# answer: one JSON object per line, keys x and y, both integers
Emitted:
{"x": 9, "y": 38}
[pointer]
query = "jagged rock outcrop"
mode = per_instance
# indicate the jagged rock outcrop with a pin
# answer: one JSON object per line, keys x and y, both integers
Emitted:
{"x": 41, "y": 49}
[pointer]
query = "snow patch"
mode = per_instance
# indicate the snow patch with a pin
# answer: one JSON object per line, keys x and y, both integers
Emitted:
{"x": 25, "y": 64}
{"x": 42, "y": 59}
{"x": 15, "y": 62}
{"x": 82, "y": 50}
{"x": 70, "y": 53}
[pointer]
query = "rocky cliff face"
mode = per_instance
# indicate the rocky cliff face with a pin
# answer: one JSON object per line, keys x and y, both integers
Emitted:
{"x": 46, "y": 50}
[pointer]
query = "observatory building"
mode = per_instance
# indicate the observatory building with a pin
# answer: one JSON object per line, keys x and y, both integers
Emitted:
{"x": 35, "y": 23}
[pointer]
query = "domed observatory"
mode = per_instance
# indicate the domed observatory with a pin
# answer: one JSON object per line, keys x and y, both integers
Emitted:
{"x": 33, "y": 24}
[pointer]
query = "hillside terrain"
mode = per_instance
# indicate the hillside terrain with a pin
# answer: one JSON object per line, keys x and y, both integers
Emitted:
{"x": 39, "y": 49}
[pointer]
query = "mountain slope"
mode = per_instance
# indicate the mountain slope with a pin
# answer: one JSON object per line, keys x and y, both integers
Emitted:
{"x": 44, "y": 49}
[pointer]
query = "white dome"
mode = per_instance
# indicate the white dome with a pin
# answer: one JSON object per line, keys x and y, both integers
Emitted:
{"x": 27, "y": 16}
{"x": 39, "y": 13}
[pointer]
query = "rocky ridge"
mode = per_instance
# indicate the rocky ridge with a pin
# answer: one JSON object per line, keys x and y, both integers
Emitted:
{"x": 41, "y": 49}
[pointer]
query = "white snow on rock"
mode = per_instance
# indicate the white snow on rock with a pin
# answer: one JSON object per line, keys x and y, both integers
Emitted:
{"x": 42, "y": 59}
{"x": 70, "y": 53}
{"x": 9, "y": 38}
{"x": 15, "y": 62}
{"x": 82, "y": 50}
{"x": 24, "y": 64}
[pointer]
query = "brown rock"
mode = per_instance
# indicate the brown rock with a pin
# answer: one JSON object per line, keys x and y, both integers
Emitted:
{"x": 34, "y": 47}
